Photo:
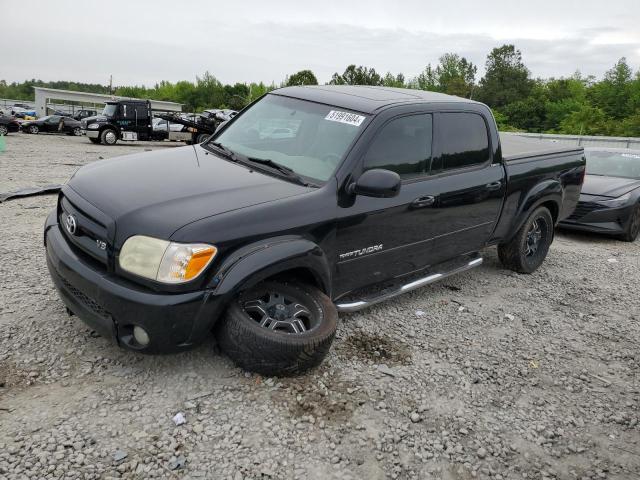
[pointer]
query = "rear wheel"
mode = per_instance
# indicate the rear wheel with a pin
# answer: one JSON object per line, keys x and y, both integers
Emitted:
{"x": 109, "y": 136}
{"x": 633, "y": 227}
{"x": 277, "y": 328}
{"x": 34, "y": 129}
{"x": 526, "y": 251}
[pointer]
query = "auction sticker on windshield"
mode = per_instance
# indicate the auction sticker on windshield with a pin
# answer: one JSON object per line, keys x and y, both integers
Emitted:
{"x": 345, "y": 117}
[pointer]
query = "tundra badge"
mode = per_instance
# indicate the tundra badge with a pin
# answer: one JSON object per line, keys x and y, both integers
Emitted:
{"x": 359, "y": 253}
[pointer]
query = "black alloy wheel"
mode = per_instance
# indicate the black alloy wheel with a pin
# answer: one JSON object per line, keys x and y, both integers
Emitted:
{"x": 528, "y": 248}
{"x": 278, "y": 328}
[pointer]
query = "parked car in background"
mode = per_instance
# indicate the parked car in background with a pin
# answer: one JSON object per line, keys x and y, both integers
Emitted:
{"x": 53, "y": 124}
{"x": 159, "y": 124}
{"x": 8, "y": 124}
{"x": 20, "y": 112}
{"x": 80, "y": 114}
{"x": 610, "y": 199}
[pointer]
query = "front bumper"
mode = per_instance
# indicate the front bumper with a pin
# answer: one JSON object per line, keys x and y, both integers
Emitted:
{"x": 91, "y": 133}
{"x": 112, "y": 307}
{"x": 611, "y": 221}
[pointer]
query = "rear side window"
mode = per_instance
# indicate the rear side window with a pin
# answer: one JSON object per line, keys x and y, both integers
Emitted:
{"x": 402, "y": 146}
{"x": 141, "y": 109}
{"x": 464, "y": 140}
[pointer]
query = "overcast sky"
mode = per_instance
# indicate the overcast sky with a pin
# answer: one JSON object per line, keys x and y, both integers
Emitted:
{"x": 142, "y": 42}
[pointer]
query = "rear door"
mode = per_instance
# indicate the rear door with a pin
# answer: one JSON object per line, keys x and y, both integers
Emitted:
{"x": 469, "y": 184}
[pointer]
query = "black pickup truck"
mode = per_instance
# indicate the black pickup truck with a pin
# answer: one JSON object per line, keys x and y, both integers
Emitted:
{"x": 365, "y": 193}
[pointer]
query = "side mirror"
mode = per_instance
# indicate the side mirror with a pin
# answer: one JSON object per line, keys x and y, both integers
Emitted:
{"x": 377, "y": 183}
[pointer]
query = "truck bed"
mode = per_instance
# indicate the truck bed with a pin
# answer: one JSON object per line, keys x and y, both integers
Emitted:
{"x": 521, "y": 148}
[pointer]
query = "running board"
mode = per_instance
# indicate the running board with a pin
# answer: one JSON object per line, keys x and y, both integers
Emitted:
{"x": 421, "y": 282}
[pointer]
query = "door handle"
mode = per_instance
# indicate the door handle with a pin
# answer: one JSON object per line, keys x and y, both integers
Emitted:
{"x": 494, "y": 185}
{"x": 425, "y": 201}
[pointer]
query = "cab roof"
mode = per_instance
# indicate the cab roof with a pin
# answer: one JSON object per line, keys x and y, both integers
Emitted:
{"x": 365, "y": 99}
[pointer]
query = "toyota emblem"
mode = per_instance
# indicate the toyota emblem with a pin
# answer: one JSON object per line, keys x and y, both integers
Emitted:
{"x": 71, "y": 224}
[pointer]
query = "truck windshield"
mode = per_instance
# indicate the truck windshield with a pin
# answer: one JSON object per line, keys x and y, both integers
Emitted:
{"x": 110, "y": 110}
{"x": 309, "y": 138}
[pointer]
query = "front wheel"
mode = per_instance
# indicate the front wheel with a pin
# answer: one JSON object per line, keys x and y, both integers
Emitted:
{"x": 633, "y": 227}
{"x": 34, "y": 129}
{"x": 278, "y": 328}
{"x": 77, "y": 131}
{"x": 109, "y": 136}
{"x": 526, "y": 251}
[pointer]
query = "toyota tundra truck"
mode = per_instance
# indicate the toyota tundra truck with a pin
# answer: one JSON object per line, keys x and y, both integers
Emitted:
{"x": 262, "y": 239}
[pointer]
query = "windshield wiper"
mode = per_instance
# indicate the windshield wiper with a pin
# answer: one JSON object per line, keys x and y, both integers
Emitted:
{"x": 228, "y": 153}
{"x": 286, "y": 171}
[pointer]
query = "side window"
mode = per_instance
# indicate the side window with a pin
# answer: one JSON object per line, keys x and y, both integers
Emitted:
{"x": 141, "y": 108}
{"x": 464, "y": 140}
{"x": 402, "y": 146}
{"x": 128, "y": 111}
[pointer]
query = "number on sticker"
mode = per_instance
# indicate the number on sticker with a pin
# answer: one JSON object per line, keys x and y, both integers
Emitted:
{"x": 345, "y": 117}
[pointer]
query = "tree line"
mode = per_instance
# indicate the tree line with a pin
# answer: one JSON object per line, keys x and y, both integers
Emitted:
{"x": 573, "y": 105}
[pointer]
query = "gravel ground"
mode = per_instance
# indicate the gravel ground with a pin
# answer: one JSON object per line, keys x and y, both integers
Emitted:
{"x": 488, "y": 374}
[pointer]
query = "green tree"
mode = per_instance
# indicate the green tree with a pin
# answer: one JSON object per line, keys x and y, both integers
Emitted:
{"x": 456, "y": 75}
{"x": 586, "y": 121}
{"x": 506, "y": 80}
{"x": 614, "y": 93}
{"x": 391, "y": 80}
{"x": 426, "y": 80}
{"x": 356, "y": 76}
{"x": 303, "y": 77}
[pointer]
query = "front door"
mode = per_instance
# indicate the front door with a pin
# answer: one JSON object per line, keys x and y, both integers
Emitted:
{"x": 379, "y": 238}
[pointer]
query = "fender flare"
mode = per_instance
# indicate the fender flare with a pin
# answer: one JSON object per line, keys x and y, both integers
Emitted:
{"x": 253, "y": 263}
{"x": 543, "y": 192}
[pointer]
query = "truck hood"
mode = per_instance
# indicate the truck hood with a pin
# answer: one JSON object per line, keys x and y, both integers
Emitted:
{"x": 95, "y": 118}
{"x": 608, "y": 186}
{"x": 157, "y": 193}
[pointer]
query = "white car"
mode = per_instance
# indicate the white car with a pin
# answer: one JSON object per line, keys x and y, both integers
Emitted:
{"x": 160, "y": 124}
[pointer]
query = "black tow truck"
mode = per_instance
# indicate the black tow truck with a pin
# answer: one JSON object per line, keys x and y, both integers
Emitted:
{"x": 310, "y": 202}
{"x": 131, "y": 120}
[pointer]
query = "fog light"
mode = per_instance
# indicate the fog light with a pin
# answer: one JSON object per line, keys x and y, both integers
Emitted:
{"x": 141, "y": 336}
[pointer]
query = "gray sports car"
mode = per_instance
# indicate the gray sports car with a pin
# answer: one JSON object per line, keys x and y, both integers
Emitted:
{"x": 610, "y": 199}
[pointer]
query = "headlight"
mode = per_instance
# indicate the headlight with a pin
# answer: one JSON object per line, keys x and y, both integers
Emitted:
{"x": 615, "y": 202}
{"x": 166, "y": 262}
{"x": 93, "y": 126}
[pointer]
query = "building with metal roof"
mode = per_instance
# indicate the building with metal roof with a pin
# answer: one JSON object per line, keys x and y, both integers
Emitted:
{"x": 47, "y": 96}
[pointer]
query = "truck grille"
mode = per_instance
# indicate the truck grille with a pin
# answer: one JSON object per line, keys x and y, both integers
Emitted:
{"x": 89, "y": 235}
{"x": 582, "y": 209}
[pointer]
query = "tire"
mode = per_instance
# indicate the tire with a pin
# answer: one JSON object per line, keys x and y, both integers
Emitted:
{"x": 633, "y": 228}
{"x": 34, "y": 129}
{"x": 202, "y": 137}
{"x": 526, "y": 251}
{"x": 3, "y": 130}
{"x": 109, "y": 136}
{"x": 275, "y": 349}
{"x": 94, "y": 140}
{"x": 76, "y": 132}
